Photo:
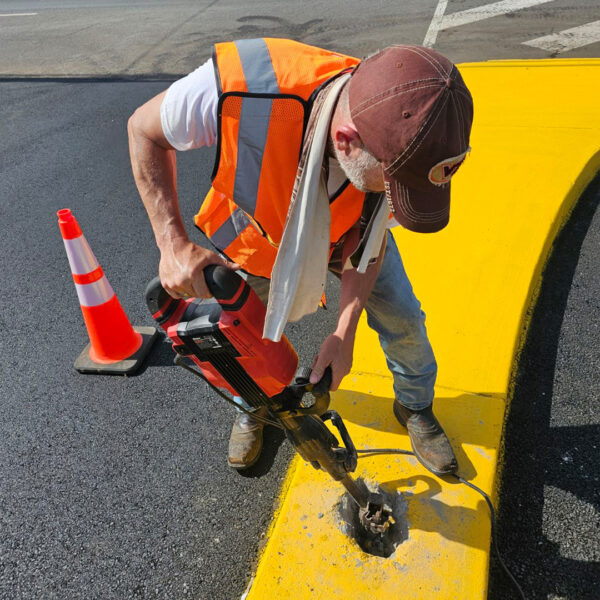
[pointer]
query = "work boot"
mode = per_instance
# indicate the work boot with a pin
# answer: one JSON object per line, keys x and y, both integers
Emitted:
{"x": 428, "y": 440}
{"x": 246, "y": 440}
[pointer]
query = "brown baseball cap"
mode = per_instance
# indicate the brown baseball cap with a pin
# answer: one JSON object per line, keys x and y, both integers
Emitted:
{"x": 413, "y": 112}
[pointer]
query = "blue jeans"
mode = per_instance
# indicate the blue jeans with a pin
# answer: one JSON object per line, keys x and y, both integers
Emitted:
{"x": 395, "y": 314}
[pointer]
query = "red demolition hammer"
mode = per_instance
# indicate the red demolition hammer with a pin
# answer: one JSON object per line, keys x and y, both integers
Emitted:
{"x": 220, "y": 340}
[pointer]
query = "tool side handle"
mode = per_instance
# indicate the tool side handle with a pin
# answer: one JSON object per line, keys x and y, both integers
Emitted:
{"x": 350, "y": 456}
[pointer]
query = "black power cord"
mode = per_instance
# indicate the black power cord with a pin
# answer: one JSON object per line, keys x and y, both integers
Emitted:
{"x": 494, "y": 530}
{"x": 372, "y": 451}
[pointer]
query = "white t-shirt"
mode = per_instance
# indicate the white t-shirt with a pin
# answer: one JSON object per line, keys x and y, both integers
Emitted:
{"x": 188, "y": 115}
{"x": 188, "y": 112}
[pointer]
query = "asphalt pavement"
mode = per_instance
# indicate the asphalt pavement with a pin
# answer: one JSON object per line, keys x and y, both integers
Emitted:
{"x": 114, "y": 487}
{"x": 130, "y": 38}
{"x": 111, "y": 487}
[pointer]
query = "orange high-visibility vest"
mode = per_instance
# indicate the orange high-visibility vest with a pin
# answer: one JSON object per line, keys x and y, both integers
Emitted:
{"x": 265, "y": 91}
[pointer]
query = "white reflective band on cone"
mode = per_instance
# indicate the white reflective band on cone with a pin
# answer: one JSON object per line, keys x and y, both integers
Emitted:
{"x": 94, "y": 294}
{"x": 80, "y": 255}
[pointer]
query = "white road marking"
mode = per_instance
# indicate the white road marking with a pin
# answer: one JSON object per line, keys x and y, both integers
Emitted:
{"x": 569, "y": 39}
{"x": 435, "y": 25}
{"x": 442, "y": 21}
{"x": 479, "y": 13}
{"x": 18, "y": 15}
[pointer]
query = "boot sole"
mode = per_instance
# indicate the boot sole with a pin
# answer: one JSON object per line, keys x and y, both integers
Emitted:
{"x": 429, "y": 467}
{"x": 245, "y": 466}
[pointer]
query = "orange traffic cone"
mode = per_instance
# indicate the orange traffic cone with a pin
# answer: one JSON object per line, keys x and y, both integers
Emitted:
{"x": 115, "y": 346}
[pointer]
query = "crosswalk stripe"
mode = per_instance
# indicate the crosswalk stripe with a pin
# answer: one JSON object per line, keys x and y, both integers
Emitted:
{"x": 435, "y": 25}
{"x": 479, "y": 13}
{"x": 442, "y": 21}
{"x": 569, "y": 39}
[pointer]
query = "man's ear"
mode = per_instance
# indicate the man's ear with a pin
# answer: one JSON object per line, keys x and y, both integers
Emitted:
{"x": 347, "y": 140}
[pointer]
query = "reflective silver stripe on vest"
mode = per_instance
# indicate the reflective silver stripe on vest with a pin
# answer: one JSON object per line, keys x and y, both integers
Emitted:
{"x": 94, "y": 294}
{"x": 257, "y": 66}
{"x": 80, "y": 255}
{"x": 237, "y": 222}
{"x": 254, "y": 120}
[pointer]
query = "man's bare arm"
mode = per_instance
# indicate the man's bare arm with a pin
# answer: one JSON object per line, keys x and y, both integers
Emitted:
{"x": 154, "y": 169}
{"x": 338, "y": 348}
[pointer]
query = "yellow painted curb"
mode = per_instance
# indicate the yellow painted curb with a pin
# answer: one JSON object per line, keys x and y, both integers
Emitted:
{"x": 536, "y": 145}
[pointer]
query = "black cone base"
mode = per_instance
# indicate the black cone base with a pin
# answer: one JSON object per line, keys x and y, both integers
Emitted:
{"x": 84, "y": 364}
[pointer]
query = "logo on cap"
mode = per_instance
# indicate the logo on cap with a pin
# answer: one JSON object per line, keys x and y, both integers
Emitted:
{"x": 441, "y": 173}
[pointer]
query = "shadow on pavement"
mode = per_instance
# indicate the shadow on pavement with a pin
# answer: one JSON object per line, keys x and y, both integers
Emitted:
{"x": 431, "y": 513}
{"x": 161, "y": 355}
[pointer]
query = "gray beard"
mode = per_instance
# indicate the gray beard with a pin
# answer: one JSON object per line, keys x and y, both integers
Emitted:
{"x": 356, "y": 169}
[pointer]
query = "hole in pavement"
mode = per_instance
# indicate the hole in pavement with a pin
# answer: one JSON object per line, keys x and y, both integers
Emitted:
{"x": 385, "y": 544}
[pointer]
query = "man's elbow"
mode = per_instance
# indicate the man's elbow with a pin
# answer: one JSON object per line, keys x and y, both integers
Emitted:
{"x": 144, "y": 125}
{"x": 134, "y": 125}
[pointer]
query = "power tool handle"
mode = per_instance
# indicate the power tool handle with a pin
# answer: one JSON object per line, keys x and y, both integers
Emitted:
{"x": 222, "y": 283}
{"x": 322, "y": 386}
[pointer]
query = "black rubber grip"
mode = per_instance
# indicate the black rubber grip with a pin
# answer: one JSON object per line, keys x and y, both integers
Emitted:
{"x": 322, "y": 386}
{"x": 222, "y": 283}
{"x": 302, "y": 375}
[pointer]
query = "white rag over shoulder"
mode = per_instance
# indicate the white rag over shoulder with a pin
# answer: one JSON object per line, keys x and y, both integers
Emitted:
{"x": 300, "y": 272}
